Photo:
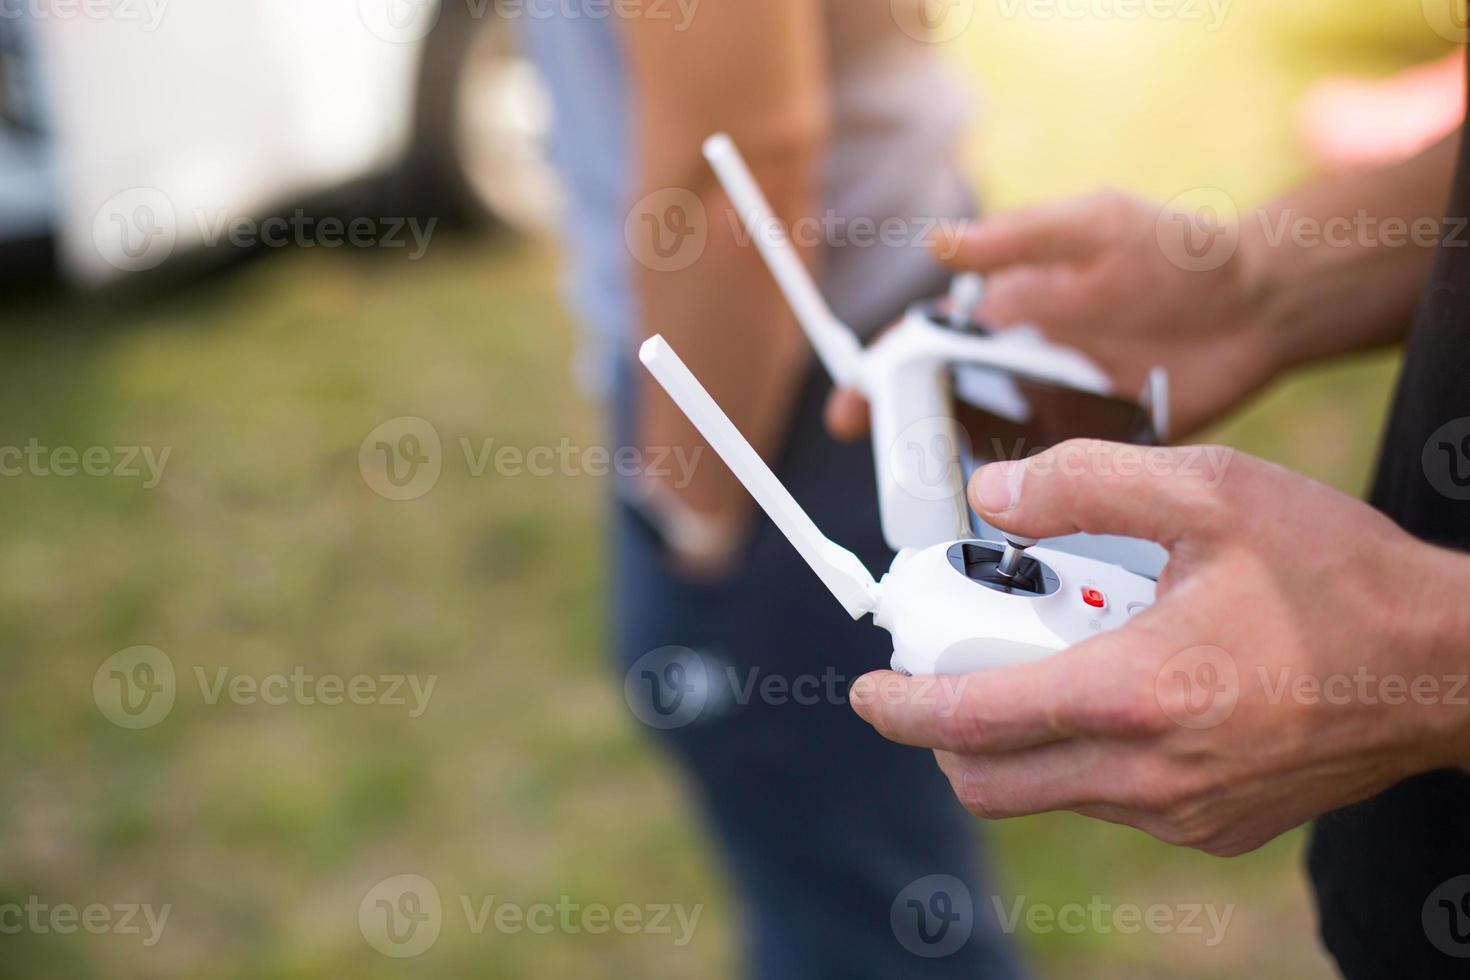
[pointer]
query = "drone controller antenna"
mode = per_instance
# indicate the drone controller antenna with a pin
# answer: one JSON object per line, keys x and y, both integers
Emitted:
{"x": 844, "y": 574}
{"x": 1010, "y": 558}
{"x": 966, "y": 291}
{"x": 835, "y": 343}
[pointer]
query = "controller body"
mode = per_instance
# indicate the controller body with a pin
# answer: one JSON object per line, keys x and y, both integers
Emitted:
{"x": 950, "y": 613}
{"x": 905, "y": 376}
{"x": 951, "y": 608}
{"x": 906, "y": 373}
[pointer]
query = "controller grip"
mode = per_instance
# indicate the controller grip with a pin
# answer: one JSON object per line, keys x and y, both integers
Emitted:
{"x": 917, "y": 456}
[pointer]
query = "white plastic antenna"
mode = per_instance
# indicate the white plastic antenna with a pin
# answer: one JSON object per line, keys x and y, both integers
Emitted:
{"x": 966, "y": 291}
{"x": 1156, "y": 399}
{"x": 839, "y": 569}
{"x": 834, "y": 341}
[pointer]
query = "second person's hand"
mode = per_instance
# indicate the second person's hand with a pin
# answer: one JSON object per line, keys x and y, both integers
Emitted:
{"x": 1116, "y": 277}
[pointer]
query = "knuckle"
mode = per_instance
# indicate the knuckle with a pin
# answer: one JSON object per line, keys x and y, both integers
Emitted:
{"x": 1234, "y": 846}
{"x": 1110, "y": 200}
{"x": 1226, "y": 475}
{"x": 976, "y": 806}
{"x": 961, "y": 729}
{"x": 1211, "y": 511}
{"x": 1136, "y": 713}
{"x": 1159, "y": 789}
{"x": 1209, "y": 503}
{"x": 1195, "y": 824}
{"x": 1069, "y": 462}
{"x": 1195, "y": 835}
{"x": 1113, "y": 209}
{"x": 1123, "y": 704}
{"x": 972, "y": 792}
{"x": 1151, "y": 793}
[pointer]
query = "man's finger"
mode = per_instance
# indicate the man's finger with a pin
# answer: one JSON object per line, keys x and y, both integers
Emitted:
{"x": 1056, "y": 232}
{"x": 1030, "y": 296}
{"x": 1060, "y": 776}
{"x": 847, "y": 415}
{"x": 1159, "y": 493}
{"x": 1089, "y": 689}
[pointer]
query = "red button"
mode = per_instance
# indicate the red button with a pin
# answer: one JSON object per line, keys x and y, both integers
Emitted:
{"x": 1094, "y": 597}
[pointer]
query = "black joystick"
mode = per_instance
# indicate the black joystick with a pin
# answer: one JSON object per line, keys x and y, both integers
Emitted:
{"x": 981, "y": 562}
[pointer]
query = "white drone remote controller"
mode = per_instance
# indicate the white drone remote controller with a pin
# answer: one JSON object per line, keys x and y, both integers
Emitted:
{"x": 905, "y": 374}
{"x": 952, "y": 608}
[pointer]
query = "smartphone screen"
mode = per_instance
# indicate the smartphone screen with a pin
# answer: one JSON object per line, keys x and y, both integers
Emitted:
{"x": 1012, "y": 416}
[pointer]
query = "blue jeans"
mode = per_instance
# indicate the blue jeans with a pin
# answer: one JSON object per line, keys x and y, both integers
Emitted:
{"x": 831, "y": 833}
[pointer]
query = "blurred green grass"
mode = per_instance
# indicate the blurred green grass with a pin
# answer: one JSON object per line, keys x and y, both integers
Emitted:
{"x": 262, "y": 549}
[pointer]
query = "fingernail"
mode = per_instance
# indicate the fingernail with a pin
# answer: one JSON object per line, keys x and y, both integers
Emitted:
{"x": 998, "y": 486}
{"x": 862, "y": 690}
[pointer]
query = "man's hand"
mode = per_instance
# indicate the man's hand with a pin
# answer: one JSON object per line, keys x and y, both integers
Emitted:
{"x": 1096, "y": 273}
{"x": 1304, "y": 653}
{"x": 1224, "y": 308}
{"x": 1110, "y": 274}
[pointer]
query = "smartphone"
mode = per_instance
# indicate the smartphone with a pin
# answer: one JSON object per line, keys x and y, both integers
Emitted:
{"x": 1011, "y": 416}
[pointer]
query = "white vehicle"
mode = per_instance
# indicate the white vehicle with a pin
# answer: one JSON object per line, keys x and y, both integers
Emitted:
{"x": 132, "y": 131}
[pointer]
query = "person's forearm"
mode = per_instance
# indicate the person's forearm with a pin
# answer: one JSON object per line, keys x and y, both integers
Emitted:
{"x": 715, "y": 301}
{"x": 1338, "y": 266}
{"x": 723, "y": 313}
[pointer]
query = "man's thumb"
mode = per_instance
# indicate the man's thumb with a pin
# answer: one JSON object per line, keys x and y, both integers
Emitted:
{"x": 1158, "y": 493}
